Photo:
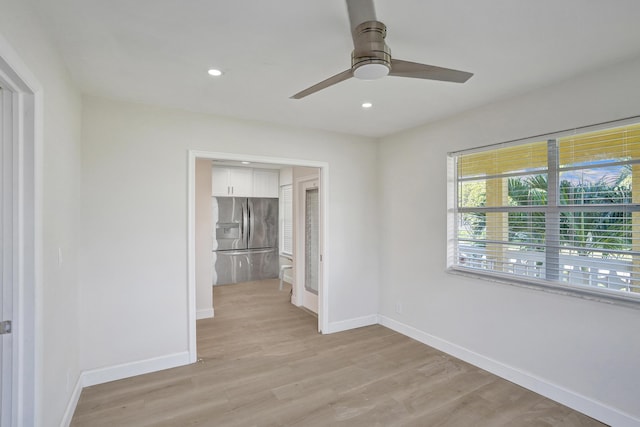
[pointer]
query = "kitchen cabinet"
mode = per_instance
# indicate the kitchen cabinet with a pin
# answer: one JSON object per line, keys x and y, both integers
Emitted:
{"x": 231, "y": 181}
{"x": 266, "y": 182}
{"x": 244, "y": 182}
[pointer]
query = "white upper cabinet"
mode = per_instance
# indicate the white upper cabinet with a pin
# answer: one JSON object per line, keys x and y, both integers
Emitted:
{"x": 241, "y": 182}
{"x": 266, "y": 182}
{"x": 220, "y": 181}
{"x": 231, "y": 182}
{"x": 244, "y": 182}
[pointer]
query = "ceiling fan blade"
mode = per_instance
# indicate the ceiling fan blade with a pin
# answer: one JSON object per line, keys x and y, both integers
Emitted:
{"x": 401, "y": 68}
{"x": 324, "y": 84}
{"x": 360, "y": 11}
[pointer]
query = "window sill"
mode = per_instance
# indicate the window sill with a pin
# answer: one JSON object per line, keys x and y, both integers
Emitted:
{"x": 600, "y": 295}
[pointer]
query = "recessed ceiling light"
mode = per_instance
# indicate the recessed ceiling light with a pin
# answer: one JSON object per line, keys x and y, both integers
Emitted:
{"x": 246, "y": 163}
{"x": 214, "y": 72}
{"x": 367, "y": 105}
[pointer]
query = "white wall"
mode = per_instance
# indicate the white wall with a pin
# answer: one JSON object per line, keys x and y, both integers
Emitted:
{"x": 134, "y": 222}
{"x": 58, "y": 302}
{"x": 588, "y": 348}
{"x": 204, "y": 239}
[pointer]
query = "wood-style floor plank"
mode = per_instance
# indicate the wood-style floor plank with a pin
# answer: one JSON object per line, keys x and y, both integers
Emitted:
{"x": 262, "y": 363}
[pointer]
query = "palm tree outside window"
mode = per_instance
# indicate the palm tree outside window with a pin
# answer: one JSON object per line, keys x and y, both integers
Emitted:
{"x": 562, "y": 211}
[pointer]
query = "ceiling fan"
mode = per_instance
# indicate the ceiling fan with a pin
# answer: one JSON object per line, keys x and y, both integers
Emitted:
{"x": 371, "y": 57}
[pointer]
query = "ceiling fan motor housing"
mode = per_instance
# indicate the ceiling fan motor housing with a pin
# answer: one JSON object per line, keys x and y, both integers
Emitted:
{"x": 371, "y": 57}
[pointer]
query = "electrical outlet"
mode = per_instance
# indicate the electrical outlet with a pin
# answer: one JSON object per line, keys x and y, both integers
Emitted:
{"x": 59, "y": 257}
{"x": 399, "y": 307}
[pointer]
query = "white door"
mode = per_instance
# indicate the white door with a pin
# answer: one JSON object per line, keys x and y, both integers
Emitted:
{"x": 20, "y": 107}
{"x": 311, "y": 218}
{"x": 7, "y": 218}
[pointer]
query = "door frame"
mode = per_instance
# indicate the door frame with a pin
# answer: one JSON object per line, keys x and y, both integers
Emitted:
{"x": 26, "y": 141}
{"x": 323, "y": 285}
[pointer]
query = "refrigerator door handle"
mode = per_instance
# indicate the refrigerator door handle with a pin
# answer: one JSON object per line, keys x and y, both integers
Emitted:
{"x": 245, "y": 223}
{"x": 249, "y": 220}
{"x": 242, "y": 227}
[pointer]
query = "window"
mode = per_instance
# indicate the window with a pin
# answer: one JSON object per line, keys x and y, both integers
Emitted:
{"x": 286, "y": 220}
{"x": 562, "y": 211}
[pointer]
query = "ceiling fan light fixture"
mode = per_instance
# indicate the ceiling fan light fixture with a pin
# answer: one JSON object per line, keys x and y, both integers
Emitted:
{"x": 371, "y": 56}
{"x": 371, "y": 71}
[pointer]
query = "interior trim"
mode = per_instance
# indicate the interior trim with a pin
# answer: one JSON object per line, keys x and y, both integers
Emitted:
{"x": 544, "y": 387}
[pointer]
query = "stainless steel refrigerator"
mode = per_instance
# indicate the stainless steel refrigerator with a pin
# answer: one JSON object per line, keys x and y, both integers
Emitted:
{"x": 245, "y": 240}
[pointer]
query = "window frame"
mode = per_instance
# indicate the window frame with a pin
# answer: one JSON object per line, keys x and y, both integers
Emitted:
{"x": 552, "y": 170}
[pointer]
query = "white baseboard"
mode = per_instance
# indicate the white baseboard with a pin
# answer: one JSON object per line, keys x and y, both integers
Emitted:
{"x": 126, "y": 370}
{"x": 586, "y": 405}
{"x": 73, "y": 402}
{"x": 118, "y": 372}
{"x": 345, "y": 325}
{"x": 205, "y": 313}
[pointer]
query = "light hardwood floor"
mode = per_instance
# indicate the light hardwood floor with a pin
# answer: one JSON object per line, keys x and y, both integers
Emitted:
{"x": 262, "y": 363}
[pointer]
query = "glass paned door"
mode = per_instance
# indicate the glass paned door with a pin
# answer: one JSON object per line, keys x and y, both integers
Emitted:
{"x": 311, "y": 233}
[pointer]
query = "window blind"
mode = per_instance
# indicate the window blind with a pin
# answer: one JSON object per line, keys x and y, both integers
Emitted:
{"x": 563, "y": 210}
{"x": 286, "y": 233}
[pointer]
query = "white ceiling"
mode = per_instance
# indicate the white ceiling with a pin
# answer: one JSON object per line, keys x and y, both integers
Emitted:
{"x": 159, "y": 51}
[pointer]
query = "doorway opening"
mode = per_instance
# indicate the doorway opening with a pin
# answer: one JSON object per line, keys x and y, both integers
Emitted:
{"x": 321, "y": 179}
